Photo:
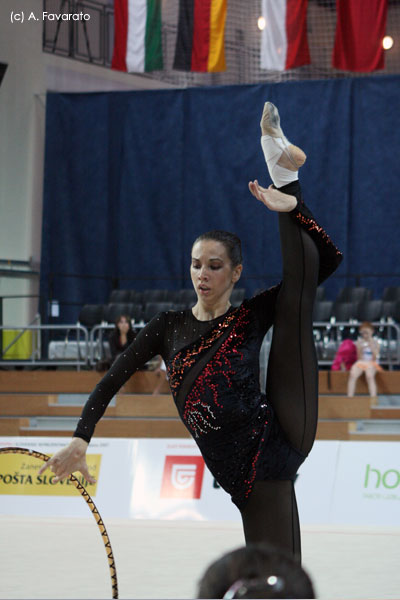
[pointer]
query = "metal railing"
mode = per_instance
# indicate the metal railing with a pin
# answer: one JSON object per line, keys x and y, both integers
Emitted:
{"x": 98, "y": 349}
{"x": 82, "y": 358}
{"x": 328, "y": 335}
{"x": 85, "y": 349}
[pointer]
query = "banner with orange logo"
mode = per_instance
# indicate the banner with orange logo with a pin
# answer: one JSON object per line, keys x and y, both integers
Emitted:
{"x": 355, "y": 483}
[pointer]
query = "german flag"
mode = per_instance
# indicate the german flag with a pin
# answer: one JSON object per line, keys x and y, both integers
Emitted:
{"x": 200, "y": 39}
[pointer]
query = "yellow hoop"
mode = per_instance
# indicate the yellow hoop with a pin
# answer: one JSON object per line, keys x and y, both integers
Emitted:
{"x": 90, "y": 503}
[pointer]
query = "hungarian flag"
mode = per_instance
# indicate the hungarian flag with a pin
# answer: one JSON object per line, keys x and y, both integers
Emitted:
{"x": 360, "y": 29}
{"x": 284, "y": 43}
{"x": 201, "y": 32}
{"x": 137, "y": 36}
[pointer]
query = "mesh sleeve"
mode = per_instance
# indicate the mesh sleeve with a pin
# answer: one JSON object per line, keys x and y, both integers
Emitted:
{"x": 147, "y": 344}
{"x": 263, "y": 306}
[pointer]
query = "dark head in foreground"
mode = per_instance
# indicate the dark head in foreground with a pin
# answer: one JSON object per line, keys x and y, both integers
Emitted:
{"x": 256, "y": 571}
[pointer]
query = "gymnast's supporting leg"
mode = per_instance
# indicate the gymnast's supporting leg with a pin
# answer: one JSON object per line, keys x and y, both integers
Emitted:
{"x": 292, "y": 387}
{"x": 271, "y": 516}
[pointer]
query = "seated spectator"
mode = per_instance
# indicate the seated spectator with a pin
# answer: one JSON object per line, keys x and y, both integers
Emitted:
{"x": 255, "y": 571}
{"x": 345, "y": 357}
{"x": 119, "y": 339}
{"x": 122, "y": 336}
{"x": 367, "y": 355}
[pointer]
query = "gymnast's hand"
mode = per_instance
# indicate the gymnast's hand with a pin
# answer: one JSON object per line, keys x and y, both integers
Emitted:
{"x": 68, "y": 460}
{"x": 272, "y": 198}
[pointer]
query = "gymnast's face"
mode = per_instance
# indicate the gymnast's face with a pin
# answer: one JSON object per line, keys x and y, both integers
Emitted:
{"x": 213, "y": 275}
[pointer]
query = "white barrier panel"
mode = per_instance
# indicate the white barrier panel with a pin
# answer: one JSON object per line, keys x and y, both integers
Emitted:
{"x": 354, "y": 483}
{"x": 367, "y": 488}
{"x": 172, "y": 482}
{"x": 315, "y": 483}
{"x": 23, "y": 492}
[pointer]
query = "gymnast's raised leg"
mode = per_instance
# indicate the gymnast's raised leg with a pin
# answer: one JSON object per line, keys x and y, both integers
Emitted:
{"x": 292, "y": 381}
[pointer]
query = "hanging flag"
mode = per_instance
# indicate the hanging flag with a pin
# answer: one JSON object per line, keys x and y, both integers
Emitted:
{"x": 284, "y": 43}
{"x": 360, "y": 29}
{"x": 137, "y": 36}
{"x": 200, "y": 39}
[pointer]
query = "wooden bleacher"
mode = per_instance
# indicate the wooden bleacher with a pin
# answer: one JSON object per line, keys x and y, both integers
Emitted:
{"x": 335, "y": 382}
{"x": 27, "y": 396}
{"x": 70, "y": 382}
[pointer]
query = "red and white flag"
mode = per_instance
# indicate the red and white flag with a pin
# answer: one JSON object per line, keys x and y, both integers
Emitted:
{"x": 360, "y": 29}
{"x": 284, "y": 43}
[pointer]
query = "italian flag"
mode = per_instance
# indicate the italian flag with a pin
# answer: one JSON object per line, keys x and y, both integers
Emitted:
{"x": 201, "y": 33}
{"x": 137, "y": 36}
{"x": 284, "y": 43}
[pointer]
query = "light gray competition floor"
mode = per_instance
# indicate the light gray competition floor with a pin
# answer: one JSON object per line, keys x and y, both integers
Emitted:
{"x": 65, "y": 558}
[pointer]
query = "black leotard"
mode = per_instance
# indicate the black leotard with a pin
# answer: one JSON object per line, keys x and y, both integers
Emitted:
{"x": 213, "y": 370}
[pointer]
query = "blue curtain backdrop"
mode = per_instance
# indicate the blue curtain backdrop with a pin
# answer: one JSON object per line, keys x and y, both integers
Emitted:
{"x": 131, "y": 178}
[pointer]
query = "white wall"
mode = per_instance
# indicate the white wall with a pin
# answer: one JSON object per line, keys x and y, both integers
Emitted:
{"x": 29, "y": 75}
{"x": 21, "y": 117}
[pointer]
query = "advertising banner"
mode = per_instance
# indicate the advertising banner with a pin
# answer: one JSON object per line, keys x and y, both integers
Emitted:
{"x": 24, "y": 492}
{"x": 19, "y": 477}
{"x": 367, "y": 487}
{"x": 355, "y": 483}
{"x": 172, "y": 482}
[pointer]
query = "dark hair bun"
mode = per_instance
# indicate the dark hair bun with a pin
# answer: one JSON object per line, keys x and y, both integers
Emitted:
{"x": 230, "y": 240}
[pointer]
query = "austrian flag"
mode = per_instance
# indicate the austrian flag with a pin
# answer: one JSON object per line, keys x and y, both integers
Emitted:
{"x": 284, "y": 43}
{"x": 137, "y": 36}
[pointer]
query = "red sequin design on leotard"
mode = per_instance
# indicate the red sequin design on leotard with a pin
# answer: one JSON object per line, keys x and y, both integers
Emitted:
{"x": 249, "y": 482}
{"x": 311, "y": 225}
{"x": 198, "y": 415}
{"x": 186, "y": 358}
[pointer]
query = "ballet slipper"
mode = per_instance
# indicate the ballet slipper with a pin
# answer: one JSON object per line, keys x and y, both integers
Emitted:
{"x": 270, "y": 121}
{"x": 292, "y": 157}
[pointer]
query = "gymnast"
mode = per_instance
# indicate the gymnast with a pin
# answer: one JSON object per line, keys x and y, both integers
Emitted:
{"x": 252, "y": 443}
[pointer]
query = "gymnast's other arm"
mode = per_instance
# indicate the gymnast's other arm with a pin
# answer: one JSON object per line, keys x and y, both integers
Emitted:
{"x": 273, "y": 198}
{"x": 72, "y": 458}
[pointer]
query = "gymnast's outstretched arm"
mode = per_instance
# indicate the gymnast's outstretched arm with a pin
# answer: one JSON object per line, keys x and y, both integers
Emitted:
{"x": 147, "y": 344}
